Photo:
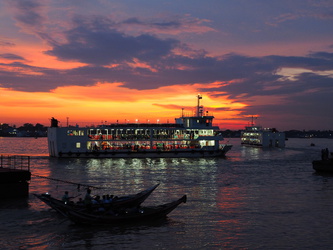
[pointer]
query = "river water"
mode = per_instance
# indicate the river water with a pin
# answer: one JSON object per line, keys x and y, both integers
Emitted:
{"x": 253, "y": 199}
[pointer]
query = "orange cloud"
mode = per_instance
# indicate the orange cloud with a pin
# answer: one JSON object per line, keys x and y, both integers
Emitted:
{"x": 34, "y": 54}
{"x": 139, "y": 64}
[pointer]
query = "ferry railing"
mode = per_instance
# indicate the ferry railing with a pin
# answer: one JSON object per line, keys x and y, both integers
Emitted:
{"x": 21, "y": 162}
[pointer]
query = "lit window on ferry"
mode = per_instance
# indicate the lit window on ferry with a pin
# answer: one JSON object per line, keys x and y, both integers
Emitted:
{"x": 78, "y": 145}
{"x": 75, "y": 132}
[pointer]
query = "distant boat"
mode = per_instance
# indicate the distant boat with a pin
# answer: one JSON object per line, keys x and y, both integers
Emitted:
{"x": 189, "y": 136}
{"x": 325, "y": 164}
{"x": 256, "y": 136}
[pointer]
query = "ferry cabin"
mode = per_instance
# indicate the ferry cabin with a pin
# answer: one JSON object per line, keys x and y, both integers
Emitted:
{"x": 262, "y": 137}
{"x": 187, "y": 133}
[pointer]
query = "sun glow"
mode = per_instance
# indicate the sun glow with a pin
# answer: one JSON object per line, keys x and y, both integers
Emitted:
{"x": 109, "y": 102}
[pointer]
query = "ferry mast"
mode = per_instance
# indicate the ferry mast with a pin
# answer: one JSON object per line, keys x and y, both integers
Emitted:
{"x": 199, "y": 108}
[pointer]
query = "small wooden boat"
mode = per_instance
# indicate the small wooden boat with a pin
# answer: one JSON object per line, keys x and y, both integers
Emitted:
{"x": 120, "y": 202}
{"x": 325, "y": 166}
{"x": 130, "y": 215}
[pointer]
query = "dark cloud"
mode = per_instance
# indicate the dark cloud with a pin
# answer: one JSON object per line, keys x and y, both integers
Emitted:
{"x": 305, "y": 100}
{"x": 12, "y": 57}
{"x": 22, "y": 77}
{"x": 100, "y": 44}
{"x": 322, "y": 55}
{"x": 28, "y": 12}
{"x": 314, "y": 61}
{"x": 161, "y": 25}
{"x": 304, "y": 111}
{"x": 250, "y": 76}
{"x": 4, "y": 43}
{"x": 172, "y": 25}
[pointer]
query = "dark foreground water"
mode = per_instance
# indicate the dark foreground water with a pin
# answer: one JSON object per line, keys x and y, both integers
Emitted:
{"x": 253, "y": 199}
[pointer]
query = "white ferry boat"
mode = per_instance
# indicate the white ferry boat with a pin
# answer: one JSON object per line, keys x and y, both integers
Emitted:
{"x": 258, "y": 136}
{"x": 193, "y": 136}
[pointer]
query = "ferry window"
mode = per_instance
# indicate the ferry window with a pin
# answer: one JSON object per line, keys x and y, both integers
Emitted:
{"x": 75, "y": 132}
{"x": 78, "y": 145}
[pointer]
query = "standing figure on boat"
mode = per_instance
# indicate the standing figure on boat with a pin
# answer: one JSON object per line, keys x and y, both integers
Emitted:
{"x": 324, "y": 154}
{"x": 65, "y": 197}
{"x": 88, "y": 198}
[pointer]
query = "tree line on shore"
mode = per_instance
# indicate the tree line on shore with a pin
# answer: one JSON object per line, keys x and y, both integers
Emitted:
{"x": 39, "y": 130}
{"x": 27, "y": 130}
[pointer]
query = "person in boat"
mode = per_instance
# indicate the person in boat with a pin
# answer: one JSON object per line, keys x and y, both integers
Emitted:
{"x": 106, "y": 199}
{"x": 80, "y": 201}
{"x": 325, "y": 154}
{"x": 111, "y": 198}
{"x": 65, "y": 197}
{"x": 97, "y": 200}
{"x": 88, "y": 198}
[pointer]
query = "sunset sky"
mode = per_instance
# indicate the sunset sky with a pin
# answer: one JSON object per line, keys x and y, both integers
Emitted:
{"x": 143, "y": 61}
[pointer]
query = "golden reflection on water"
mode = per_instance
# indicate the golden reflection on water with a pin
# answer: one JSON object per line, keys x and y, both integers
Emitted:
{"x": 250, "y": 152}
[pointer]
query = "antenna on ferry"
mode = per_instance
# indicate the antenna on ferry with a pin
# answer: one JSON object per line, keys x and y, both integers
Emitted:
{"x": 198, "y": 107}
{"x": 252, "y": 120}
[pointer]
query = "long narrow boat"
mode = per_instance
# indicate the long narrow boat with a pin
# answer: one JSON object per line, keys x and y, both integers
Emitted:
{"x": 120, "y": 202}
{"x": 114, "y": 217}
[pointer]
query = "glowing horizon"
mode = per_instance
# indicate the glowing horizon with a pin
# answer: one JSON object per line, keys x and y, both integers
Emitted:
{"x": 151, "y": 105}
{"x": 148, "y": 61}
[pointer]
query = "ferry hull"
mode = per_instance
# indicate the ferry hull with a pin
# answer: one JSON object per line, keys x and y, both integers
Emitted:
{"x": 148, "y": 154}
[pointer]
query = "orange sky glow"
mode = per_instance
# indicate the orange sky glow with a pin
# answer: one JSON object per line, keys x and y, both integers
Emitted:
{"x": 111, "y": 103}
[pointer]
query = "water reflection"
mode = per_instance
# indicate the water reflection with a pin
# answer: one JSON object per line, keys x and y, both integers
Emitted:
{"x": 251, "y": 200}
{"x": 23, "y": 146}
{"x": 123, "y": 176}
{"x": 113, "y": 237}
{"x": 250, "y": 152}
{"x": 230, "y": 222}
{"x": 14, "y": 203}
